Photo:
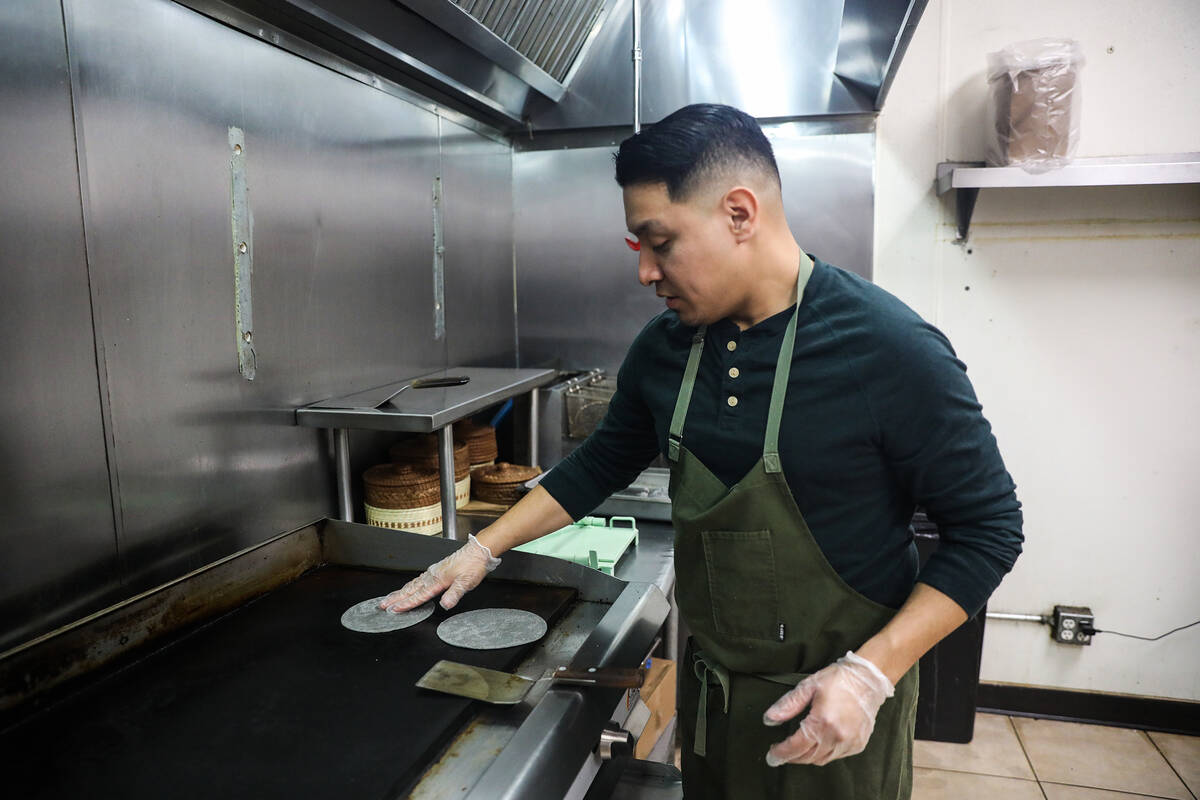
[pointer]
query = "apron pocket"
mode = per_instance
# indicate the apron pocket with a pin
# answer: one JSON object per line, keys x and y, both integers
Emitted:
{"x": 742, "y": 584}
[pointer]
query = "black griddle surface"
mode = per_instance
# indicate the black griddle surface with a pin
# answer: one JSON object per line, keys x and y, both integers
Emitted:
{"x": 275, "y": 699}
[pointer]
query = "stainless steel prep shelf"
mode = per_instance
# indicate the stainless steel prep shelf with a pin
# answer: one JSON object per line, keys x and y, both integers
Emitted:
{"x": 421, "y": 411}
{"x": 966, "y": 178}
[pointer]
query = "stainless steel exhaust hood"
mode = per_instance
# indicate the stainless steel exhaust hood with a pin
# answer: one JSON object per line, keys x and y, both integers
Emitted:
{"x": 566, "y": 64}
{"x": 548, "y": 34}
{"x": 487, "y": 58}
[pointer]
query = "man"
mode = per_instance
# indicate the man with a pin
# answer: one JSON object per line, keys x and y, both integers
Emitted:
{"x": 805, "y": 413}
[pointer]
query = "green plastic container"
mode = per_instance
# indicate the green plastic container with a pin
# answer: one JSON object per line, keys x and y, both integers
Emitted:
{"x": 592, "y": 541}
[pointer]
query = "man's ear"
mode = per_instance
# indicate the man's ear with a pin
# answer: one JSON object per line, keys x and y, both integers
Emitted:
{"x": 740, "y": 205}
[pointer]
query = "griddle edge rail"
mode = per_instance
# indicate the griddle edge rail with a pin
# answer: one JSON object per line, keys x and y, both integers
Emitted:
{"x": 556, "y": 741}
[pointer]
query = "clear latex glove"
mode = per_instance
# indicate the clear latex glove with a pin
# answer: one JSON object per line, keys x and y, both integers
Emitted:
{"x": 845, "y": 697}
{"x": 452, "y": 577}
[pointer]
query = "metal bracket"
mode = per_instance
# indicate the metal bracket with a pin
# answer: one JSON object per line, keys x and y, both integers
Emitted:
{"x": 615, "y": 741}
{"x": 964, "y": 207}
{"x": 439, "y": 264}
{"x": 242, "y": 223}
{"x": 964, "y": 198}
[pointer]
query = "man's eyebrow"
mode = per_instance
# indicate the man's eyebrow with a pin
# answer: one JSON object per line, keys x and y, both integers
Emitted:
{"x": 646, "y": 227}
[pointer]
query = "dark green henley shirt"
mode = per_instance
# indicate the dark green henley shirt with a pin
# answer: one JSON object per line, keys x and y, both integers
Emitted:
{"x": 879, "y": 418}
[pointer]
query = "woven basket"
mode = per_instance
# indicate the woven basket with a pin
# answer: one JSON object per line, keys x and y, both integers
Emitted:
{"x": 481, "y": 441}
{"x": 501, "y": 483}
{"x": 400, "y": 486}
{"x": 426, "y": 520}
{"x": 422, "y": 452}
{"x": 462, "y": 492}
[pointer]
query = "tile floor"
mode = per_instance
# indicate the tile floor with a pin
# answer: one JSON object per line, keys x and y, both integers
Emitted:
{"x": 1014, "y": 758}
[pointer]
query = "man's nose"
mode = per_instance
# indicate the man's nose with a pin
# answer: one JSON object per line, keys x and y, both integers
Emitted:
{"x": 648, "y": 271}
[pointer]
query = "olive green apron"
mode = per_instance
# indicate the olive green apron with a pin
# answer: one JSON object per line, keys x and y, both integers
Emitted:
{"x": 766, "y": 609}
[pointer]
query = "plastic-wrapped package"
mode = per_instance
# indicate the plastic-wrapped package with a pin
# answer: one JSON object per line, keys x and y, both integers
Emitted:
{"x": 1033, "y": 104}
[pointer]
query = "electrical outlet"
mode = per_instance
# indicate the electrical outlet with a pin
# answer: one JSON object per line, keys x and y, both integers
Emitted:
{"x": 1072, "y": 625}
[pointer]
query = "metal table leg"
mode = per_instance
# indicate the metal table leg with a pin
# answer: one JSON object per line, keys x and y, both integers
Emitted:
{"x": 533, "y": 428}
{"x": 446, "y": 474}
{"x": 341, "y": 460}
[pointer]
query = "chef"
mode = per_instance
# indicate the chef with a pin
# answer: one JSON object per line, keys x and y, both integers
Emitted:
{"x": 805, "y": 413}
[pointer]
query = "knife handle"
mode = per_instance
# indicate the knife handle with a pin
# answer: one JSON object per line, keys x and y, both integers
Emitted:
{"x": 433, "y": 383}
{"x": 624, "y": 678}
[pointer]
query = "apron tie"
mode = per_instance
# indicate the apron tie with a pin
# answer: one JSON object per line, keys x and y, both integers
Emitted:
{"x": 704, "y": 668}
{"x": 710, "y": 673}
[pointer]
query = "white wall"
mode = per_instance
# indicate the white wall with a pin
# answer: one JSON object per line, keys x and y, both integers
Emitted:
{"x": 1077, "y": 312}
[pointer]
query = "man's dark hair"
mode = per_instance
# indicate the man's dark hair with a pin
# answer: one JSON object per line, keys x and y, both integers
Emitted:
{"x": 691, "y": 145}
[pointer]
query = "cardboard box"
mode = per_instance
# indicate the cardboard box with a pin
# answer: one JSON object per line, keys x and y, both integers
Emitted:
{"x": 658, "y": 693}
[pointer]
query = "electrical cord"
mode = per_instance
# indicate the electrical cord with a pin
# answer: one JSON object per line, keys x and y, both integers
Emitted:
{"x": 1091, "y": 631}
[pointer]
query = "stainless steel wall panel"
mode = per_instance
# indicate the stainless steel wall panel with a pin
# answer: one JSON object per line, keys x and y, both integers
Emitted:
{"x": 343, "y": 226}
{"x": 829, "y": 192}
{"x": 339, "y": 178}
{"x": 578, "y": 299}
{"x": 665, "y": 60}
{"x": 58, "y": 546}
{"x": 478, "y": 217}
{"x": 579, "y": 303}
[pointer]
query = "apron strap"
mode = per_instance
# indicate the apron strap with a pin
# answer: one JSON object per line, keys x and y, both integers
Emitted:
{"x": 708, "y": 672}
{"x": 684, "y": 399}
{"x": 783, "y": 369}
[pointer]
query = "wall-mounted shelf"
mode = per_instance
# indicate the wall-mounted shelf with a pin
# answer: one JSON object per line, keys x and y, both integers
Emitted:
{"x": 966, "y": 178}
{"x": 421, "y": 411}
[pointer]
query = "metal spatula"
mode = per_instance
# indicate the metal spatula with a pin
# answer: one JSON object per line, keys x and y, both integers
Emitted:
{"x": 504, "y": 688}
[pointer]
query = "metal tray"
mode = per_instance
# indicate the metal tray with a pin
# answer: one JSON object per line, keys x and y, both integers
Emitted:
{"x": 645, "y": 498}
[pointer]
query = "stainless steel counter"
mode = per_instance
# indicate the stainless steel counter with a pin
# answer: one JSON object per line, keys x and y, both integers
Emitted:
{"x": 654, "y": 562}
{"x": 651, "y": 561}
{"x": 423, "y": 410}
{"x": 401, "y": 407}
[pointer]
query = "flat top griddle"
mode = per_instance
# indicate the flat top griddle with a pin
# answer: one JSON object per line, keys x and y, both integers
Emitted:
{"x": 275, "y": 699}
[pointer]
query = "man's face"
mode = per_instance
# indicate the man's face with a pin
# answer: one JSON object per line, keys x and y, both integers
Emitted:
{"x": 686, "y": 251}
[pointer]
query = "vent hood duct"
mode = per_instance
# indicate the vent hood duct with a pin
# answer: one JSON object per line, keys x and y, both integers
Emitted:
{"x": 549, "y": 34}
{"x": 874, "y": 36}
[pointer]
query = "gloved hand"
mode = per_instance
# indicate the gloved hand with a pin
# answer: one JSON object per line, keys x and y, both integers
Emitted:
{"x": 845, "y": 698}
{"x": 456, "y": 574}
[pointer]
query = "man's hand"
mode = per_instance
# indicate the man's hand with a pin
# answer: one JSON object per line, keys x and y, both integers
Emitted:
{"x": 845, "y": 697}
{"x": 455, "y": 575}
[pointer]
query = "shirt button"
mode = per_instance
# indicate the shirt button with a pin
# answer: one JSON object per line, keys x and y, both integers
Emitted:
{"x": 732, "y": 401}
{"x": 733, "y": 372}
{"x": 731, "y": 345}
